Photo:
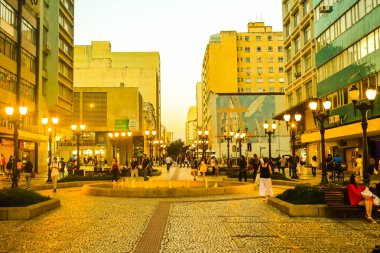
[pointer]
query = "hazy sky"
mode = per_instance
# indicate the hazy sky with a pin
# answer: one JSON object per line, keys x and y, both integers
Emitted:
{"x": 178, "y": 29}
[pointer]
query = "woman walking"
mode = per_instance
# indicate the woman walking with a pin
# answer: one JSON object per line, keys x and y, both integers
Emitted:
{"x": 115, "y": 170}
{"x": 314, "y": 165}
{"x": 55, "y": 173}
{"x": 265, "y": 188}
{"x": 203, "y": 168}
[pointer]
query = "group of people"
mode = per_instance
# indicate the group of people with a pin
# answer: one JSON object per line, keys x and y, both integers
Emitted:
{"x": 201, "y": 167}
{"x": 15, "y": 176}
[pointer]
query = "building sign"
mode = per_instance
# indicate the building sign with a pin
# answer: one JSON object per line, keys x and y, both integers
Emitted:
{"x": 100, "y": 138}
{"x": 133, "y": 125}
{"x": 122, "y": 125}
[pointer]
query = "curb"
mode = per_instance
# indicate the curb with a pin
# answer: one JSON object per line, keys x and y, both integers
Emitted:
{"x": 28, "y": 212}
{"x": 319, "y": 210}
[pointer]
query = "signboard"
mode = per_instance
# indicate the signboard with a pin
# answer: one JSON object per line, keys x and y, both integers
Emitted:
{"x": 122, "y": 125}
{"x": 133, "y": 125}
{"x": 100, "y": 138}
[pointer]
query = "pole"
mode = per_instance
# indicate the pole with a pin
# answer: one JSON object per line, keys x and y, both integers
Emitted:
{"x": 324, "y": 169}
{"x": 294, "y": 168}
{"x": 126, "y": 152}
{"x": 49, "y": 157}
{"x": 365, "y": 147}
{"x": 15, "y": 151}
{"x": 228, "y": 151}
{"x": 269, "y": 144}
{"x": 78, "y": 157}
{"x": 240, "y": 147}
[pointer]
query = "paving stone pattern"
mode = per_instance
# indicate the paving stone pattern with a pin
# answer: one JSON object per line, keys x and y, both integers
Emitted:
{"x": 230, "y": 223}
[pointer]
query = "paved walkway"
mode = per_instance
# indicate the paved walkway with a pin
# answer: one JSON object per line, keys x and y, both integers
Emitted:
{"x": 229, "y": 223}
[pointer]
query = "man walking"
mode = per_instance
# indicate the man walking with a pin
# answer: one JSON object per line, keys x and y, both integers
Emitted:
{"x": 242, "y": 169}
{"x": 168, "y": 162}
{"x": 145, "y": 165}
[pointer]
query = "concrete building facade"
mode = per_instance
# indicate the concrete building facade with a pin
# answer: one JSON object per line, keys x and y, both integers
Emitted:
{"x": 191, "y": 126}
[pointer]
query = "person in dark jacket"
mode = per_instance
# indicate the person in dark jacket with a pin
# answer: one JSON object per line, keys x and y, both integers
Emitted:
{"x": 28, "y": 173}
{"x": 242, "y": 169}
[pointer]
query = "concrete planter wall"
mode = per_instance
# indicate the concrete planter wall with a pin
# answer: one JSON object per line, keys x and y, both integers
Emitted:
{"x": 319, "y": 210}
{"x": 28, "y": 212}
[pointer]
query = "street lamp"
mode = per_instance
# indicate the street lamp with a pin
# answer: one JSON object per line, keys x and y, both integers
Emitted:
{"x": 321, "y": 115}
{"x": 203, "y": 136}
{"x": 45, "y": 121}
{"x": 78, "y": 133}
{"x": 16, "y": 120}
{"x": 239, "y": 138}
{"x": 269, "y": 133}
{"x": 363, "y": 106}
{"x": 293, "y": 126}
{"x": 150, "y": 136}
{"x": 128, "y": 134}
{"x": 113, "y": 136}
{"x": 228, "y": 137}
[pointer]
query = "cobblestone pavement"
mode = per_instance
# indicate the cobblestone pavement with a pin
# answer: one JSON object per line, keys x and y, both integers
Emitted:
{"x": 229, "y": 223}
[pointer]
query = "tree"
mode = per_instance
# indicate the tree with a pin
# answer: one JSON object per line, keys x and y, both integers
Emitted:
{"x": 176, "y": 148}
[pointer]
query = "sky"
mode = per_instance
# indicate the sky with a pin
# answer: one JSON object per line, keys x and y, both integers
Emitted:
{"x": 179, "y": 30}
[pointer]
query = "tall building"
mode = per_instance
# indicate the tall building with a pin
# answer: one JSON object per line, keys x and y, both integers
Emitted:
{"x": 347, "y": 51}
{"x": 36, "y": 70}
{"x": 191, "y": 125}
{"x": 96, "y": 66}
{"x": 237, "y": 69}
{"x": 300, "y": 70}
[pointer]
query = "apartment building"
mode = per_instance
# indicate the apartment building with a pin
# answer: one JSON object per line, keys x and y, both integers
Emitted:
{"x": 191, "y": 125}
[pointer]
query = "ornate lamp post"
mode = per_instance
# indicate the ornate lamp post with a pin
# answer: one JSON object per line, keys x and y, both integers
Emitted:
{"x": 239, "y": 138}
{"x": 269, "y": 133}
{"x": 228, "y": 137}
{"x": 321, "y": 115}
{"x": 45, "y": 121}
{"x": 363, "y": 106}
{"x": 203, "y": 136}
{"x": 15, "y": 120}
{"x": 150, "y": 136}
{"x": 113, "y": 136}
{"x": 293, "y": 130}
{"x": 78, "y": 133}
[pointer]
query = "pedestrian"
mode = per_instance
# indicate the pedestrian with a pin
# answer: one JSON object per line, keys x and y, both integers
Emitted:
{"x": 283, "y": 164}
{"x": 115, "y": 170}
{"x": 19, "y": 169}
{"x": 265, "y": 189}
{"x": 134, "y": 168}
{"x": 242, "y": 169}
{"x": 168, "y": 161}
{"x": 70, "y": 166}
{"x": 194, "y": 167}
{"x": 145, "y": 167}
{"x": 28, "y": 173}
{"x": 62, "y": 168}
{"x": 55, "y": 173}
{"x": 213, "y": 165}
{"x": 2, "y": 164}
{"x": 314, "y": 165}
{"x": 256, "y": 165}
{"x": 359, "y": 166}
{"x": 9, "y": 167}
{"x": 203, "y": 168}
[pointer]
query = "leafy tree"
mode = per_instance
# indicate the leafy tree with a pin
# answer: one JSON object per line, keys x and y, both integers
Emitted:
{"x": 176, "y": 148}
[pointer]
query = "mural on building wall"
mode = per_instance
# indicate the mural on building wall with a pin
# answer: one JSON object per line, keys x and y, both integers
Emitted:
{"x": 244, "y": 111}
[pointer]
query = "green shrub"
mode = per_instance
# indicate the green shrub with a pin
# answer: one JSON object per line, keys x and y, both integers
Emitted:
{"x": 303, "y": 195}
{"x": 10, "y": 197}
{"x": 73, "y": 178}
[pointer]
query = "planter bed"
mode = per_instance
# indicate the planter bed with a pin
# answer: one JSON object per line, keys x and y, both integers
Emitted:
{"x": 318, "y": 210}
{"x": 28, "y": 212}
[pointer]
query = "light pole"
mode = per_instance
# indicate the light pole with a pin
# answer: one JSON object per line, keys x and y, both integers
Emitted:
{"x": 363, "y": 106}
{"x": 16, "y": 120}
{"x": 78, "y": 133}
{"x": 321, "y": 115}
{"x": 228, "y": 137}
{"x": 113, "y": 136}
{"x": 293, "y": 126}
{"x": 239, "y": 138}
{"x": 150, "y": 136}
{"x": 128, "y": 134}
{"x": 203, "y": 136}
{"x": 269, "y": 133}
{"x": 45, "y": 121}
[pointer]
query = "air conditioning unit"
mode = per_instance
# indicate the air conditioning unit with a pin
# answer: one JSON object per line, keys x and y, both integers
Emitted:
{"x": 46, "y": 47}
{"x": 334, "y": 119}
{"x": 325, "y": 9}
{"x": 297, "y": 74}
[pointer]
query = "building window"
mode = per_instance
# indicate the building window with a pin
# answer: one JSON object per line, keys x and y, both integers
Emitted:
{"x": 280, "y": 59}
{"x": 287, "y": 7}
{"x": 297, "y": 74}
{"x": 271, "y": 80}
{"x": 270, "y": 69}
{"x": 248, "y": 90}
{"x": 270, "y": 49}
{"x": 269, "y": 38}
{"x": 296, "y": 19}
{"x": 248, "y": 70}
{"x": 260, "y": 90}
{"x": 280, "y": 49}
{"x": 281, "y": 69}
{"x": 309, "y": 89}
{"x": 280, "y": 37}
{"x": 259, "y": 80}
{"x": 298, "y": 95}
{"x": 281, "y": 80}
{"x": 281, "y": 89}
{"x": 270, "y": 59}
{"x": 28, "y": 31}
{"x": 258, "y": 38}
{"x": 289, "y": 76}
{"x": 258, "y": 49}
{"x": 259, "y": 59}
{"x": 287, "y": 29}
{"x": 305, "y": 7}
{"x": 307, "y": 34}
{"x": 290, "y": 100}
{"x": 297, "y": 44}
{"x": 247, "y": 59}
{"x": 248, "y": 80}
{"x": 247, "y": 38}
{"x": 247, "y": 49}
{"x": 288, "y": 53}
{"x": 8, "y": 14}
{"x": 259, "y": 70}
{"x": 271, "y": 89}
{"x": 307, "y": 61}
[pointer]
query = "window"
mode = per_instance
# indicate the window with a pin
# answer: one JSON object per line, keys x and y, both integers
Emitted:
{"x": 248, "y": 80}
{"x": 248, "y": 70}
{"x": 271, "y": 89}
{"x": 247, "y": 38}
{"x": 307, "y": 60}
{"x": 287, "y": 7}
{"x": 281, "y": 69}
{"x": 270, "y": 69}
{"x": 8, "y": 14}
{"x": 260, "y": 90}
{"x": 247, "y": 49}
{"x": 270, "y": 49}
{"x": 259, "y": 80}
{"x": 289, "y": 76}
{"x": 309, "y": 89}
{"x": 287, "y": 29}
{"x": 281, "y": 80}
{"x": 305, "y": 7}
{"x": 271, "y": 80}
{"x": 297, "y": 44}
{"x": 247, "y": 59}
{"x": 259, "y": 59}
{"x": 259, "y": 70}
{"x": 258, "y": 38}
{"x": 248, "y": 90}
{"x": 298, "y": 69}
{"x": 288, "y": 53}
{"x": 258, "y": 49}
{"x": 296, "y": 19}
{"x": 281, "y": 89}
{"x": 307, "y": 34}
{"x": 290, "y": 100}
{"x": 280, "y": 59}
{"x": 298, "y": 95}
{"x": 279, "y": 37}
{"x": 269, "y": 38}
{"x": 28, "y": 31}
{"x": 280, "y": 49}
{"x": 270, "y": 59}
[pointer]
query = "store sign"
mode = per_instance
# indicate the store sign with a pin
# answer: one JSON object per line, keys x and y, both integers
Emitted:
{"x": 100, "y": 138}
{"x": 122, "y": 125}
{"x": 133, "y": 125}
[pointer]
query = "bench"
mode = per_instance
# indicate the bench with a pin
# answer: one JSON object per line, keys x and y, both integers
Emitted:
{"x": 338, "y": 200}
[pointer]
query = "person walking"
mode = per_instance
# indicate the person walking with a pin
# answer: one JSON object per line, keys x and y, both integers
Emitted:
{"x": 145, "y": 166}
{"x": 256, "y": 165}
{"x": 203, "y": 168}
{"x": 134, "y": 168}
{"x": 115, "y": 170}
{"x": 168, "y": 161}
{"x": 55, "y": 173}
{"x": 283, "y": 164}
{"x": 194, "y": 167}
{"x": 265, "y": 188}
{"x": 359, "y": 166}
{"x": 213, "y": 165}
{"x": 242, "y": 169}
{"x": 62, "y": 168}
{"x": 2, "y": 163}
{"x": 19, "y": 169}
{"x": 9, "y": 167}
{"x": 314, "y": 165}
{"x": 28, "y": 173}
